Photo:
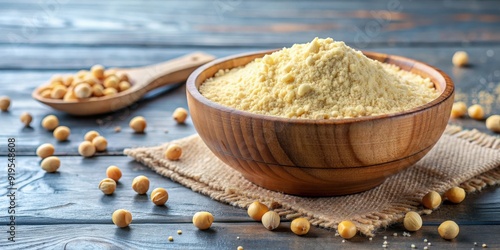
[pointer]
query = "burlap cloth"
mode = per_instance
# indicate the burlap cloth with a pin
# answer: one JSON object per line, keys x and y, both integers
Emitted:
{"x": 467, "y": 158}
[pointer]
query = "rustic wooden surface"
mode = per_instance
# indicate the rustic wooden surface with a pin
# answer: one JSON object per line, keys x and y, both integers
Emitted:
{"x": 66, "y": 209}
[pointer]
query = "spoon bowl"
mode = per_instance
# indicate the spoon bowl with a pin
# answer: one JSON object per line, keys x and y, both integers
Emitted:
{"x": 143, "y": 80}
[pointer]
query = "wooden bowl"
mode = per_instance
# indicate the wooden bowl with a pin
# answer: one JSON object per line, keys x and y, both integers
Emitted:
{"x": 319, "y": 157}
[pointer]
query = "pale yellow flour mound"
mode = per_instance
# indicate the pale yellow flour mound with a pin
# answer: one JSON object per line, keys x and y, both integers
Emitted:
{"x": 318, "y": 80}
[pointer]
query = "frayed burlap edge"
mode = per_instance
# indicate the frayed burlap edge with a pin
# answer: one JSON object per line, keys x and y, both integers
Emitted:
{"x": 367, "y": 223}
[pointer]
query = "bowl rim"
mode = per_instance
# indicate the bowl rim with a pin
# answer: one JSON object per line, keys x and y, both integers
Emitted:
{"x": 447, "y": 92}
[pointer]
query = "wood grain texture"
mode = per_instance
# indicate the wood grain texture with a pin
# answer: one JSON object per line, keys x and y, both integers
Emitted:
{"x": 237, "y": 23}
{"x": 319, "y": 157}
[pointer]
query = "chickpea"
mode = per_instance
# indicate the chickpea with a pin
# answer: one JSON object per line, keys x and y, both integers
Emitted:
{"x": 180, "y": 115}
{"x": 123, "y": 77}
{"x": 256, "y": 210}
{"x": 58, "y": 92}
{"x": 458, "y": 109}
{"x": 45, "y": 150}
{"x": 83, "y": 90}
{"x": 121, "y": 218}
{"x": 114, "y": 173}
{"x": 476, "y": 112}
{"x": 138, "y": 124}
{"x": 4, "y": 103}
{"x": 455, "y": 194}
{"x": 81, "y": 74}
{"x": 124, "y": 85}
{"x": 271, "y": 220}
{"x": 173, "y": 152}
{"x": 203, "y": 220}
{"x": 91, "y": 80}
{"x": 89, "y": 136}
{"x": 56, "y": 79}
{"x": 140, "y": 184}
{"x": 109, "y": 91}
{"x": 45, "y": 93}
{"x": 448, "y": 230}
{"x": 347, "y": 229}
{"x": 431, "y": 200}
{"x": 300, "y": 226}
{"x": 62, "y": 133}
{"x": 111, "y": 82}
{"x": 100, "y": 143}
{"x": 97, "y": 71}
{"x": 109, "y": 72}
{"x": 107, "y": 186}
{"x": 68, "y": 81}
{"x": 51, "y": 164}
{"x": 98, "y": 90}
{"x": 50, "y": 122}
{"x": 70, "y": 95}
{"x": 159, "y": 196}
{"x": 460, "y": 59}
{"x": 86, "y": 149}
{"x": 412, "y": 221}
{"x": 26, "y": 118}
{"x": 493, "y": 123}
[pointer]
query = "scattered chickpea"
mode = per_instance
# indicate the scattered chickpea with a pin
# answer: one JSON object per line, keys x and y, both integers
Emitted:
{"x": 203, "y": 220}
{"x": 58, "y": 92}
{"x": 458, "y": 109}
{"x": 62, "y": 133}
{"x": 89, "y": 136}
{"x": 431, "y": 200}
{"x": 100, "y": 143}
{"x": 121, "y": 218}
{"x": 83, "y": 90}
{"x": 138, "y": 124}
{"x": 173, "y": 152}
{"x": 45, "y": 150}
{"x": 271, "y": 220}
{"x": 256, "y": 210}
{"x": 239, "y": 248}
{"x": 448, "y": 230}
{"x": 484, "y": 245}
{"x": 179, "y": 232}
{"x": 107, "y": 186}
{"x": 26, "y": 118}
{"x": 180, "y": 115}
{"x": 118, "y": 129}
{"x": 114, "y": 173}
{"x": 4, "y": 103}
{"x": 455, "y": 194}
{"x": 170, "y": 238}
{"x": 124, "y": 85}
{"x": 86, "y": 149}
{"x": 460, "y": 59}
{"x": 476, "y": 112}
{"x": 493, "y": 123}
{"x": 140, "y": 184}
{"x": 97, "y": 71}
{"x": 159, "y": 196}
{"x": 109, "y": 91}
{"x": 51, "y": 164}
{"x": 50, "y": 122}
{"x": 412, "y": 221}
{"x": 300, "y": 226}
{"x": 347, "y": 229}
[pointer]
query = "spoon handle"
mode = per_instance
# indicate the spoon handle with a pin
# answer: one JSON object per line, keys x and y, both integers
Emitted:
{"x": 169, "y": 72}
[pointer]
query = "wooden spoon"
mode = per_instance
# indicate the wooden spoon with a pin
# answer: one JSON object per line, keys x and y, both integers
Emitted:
{"x": 143, "y": 80}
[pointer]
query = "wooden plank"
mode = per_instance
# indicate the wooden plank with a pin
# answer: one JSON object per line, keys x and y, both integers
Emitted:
{"x": 231, "y": 235}
{"x": 482, "y": 78}
{"x": 71, "y": 196}
{"x": 237, "y": 23}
